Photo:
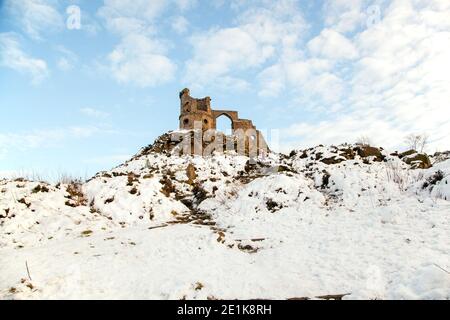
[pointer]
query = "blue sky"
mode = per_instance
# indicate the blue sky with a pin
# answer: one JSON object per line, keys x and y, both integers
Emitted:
{"x": 78, "y": 99}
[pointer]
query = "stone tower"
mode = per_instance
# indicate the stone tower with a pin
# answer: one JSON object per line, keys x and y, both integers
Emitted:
{"x": 195, "y": 113}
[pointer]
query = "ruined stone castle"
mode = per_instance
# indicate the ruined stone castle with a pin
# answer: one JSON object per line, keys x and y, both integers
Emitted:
{"x": 197, "y": 113}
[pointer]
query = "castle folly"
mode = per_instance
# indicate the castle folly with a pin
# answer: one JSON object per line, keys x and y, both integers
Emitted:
{"x": 197, "y": 113}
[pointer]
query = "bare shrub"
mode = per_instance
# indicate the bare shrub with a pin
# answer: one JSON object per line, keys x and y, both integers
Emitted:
{"x": 364, "y": 141}
{"x": 76, "y": 196}
{"x": 417, "y": 142}
{"x": 401, "y": 177}
{"x": 64, "y": 178}
{"x": 225, "y": 196}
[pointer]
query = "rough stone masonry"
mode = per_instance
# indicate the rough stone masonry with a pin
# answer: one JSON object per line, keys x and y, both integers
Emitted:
{"x": 197, "y": 113}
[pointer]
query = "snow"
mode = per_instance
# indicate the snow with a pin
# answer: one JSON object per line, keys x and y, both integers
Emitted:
{"x": 286, "y": 227}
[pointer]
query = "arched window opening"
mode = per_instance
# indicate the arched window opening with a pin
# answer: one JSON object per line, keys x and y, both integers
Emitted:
{"x": 224, "y": 124}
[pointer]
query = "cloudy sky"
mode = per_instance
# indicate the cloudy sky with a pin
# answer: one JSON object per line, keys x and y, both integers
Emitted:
{"x": 85, "y": 84}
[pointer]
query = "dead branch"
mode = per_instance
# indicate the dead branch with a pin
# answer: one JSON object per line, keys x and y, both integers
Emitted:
{"x": 28, "y": 270}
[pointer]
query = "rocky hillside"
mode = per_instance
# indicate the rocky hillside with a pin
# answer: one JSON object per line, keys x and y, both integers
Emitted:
{"x": 349, "y": 221}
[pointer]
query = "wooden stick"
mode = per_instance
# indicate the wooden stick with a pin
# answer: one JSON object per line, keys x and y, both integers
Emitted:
{"x": 28, "y": 270}
{"x": 441, "y": 268}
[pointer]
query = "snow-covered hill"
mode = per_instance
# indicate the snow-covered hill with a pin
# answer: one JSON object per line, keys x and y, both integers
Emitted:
{"x": 332, "y": 220}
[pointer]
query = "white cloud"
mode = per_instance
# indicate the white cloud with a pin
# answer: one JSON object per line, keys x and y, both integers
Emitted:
{"x": 89, "y": 24}
{"x": 29, "y": 140}
{"x": 145, "y": 9}
{"x": 344, "y": 15}
{"x": 345, "y": 128}
{"x": 36, "y": 16}
{"x": 301, "y": 71}
{"x": 219, "y": 52}
{"x": 259, "y": 33}
{"x": 94, "y": 113}
{"x": 46, "y": 138}
{"x": 127, "y": 25}
{"x": 140, "y": 61}
{"x": 273, "y": 80}
{"x": 332, "y": 45}
{"x": 138, "y": 16}
{"x": 67, "y": 60}
{"x": 140, "y": 58}
{"x": 398, "y": 84}
{"x": 407, "y": 73}
{"x": 123, "y": 17}
{"x": 12, "y": 56}
{"x": 308, "y": 77}
{"x": 186, "y": 4}
{"x": 328, "y": 87}
{"x": 64, "y": 64}
{"x": 180, "y": 24}
{"x": 82, "y": 131}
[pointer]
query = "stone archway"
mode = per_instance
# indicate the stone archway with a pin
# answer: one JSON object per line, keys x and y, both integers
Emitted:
{"x": 224, "y": 123}
{"x": 232, "y": 115}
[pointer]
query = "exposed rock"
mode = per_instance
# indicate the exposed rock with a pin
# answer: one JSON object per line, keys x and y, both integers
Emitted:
{"x": 273, "y": 206}
{"x": 304, "y": 155}
{"x": 191, "y": 142}
{"x": 407, "y": 153}
{"x": 191, "y": 173}
{"x": 199, "y": 194}
{"x": 325, "y": 179}
{"x": 132, "y": 178}
{"x": 441, "y": 156}
{"x": 418, "y": 160}
{"x": 250, "y": 166}
{"x": 109, "y": 200}
{"x": 437, "y": 177}
{"x": 168, "y": 186}
{"x": 134, "y": 190}
{"x": 347, "y": 153}
{"x": 365, "y": 151}
{"x": 283, "y": 168}
{"x": 332, "y": 160}
{"x": 40, "y": 188}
